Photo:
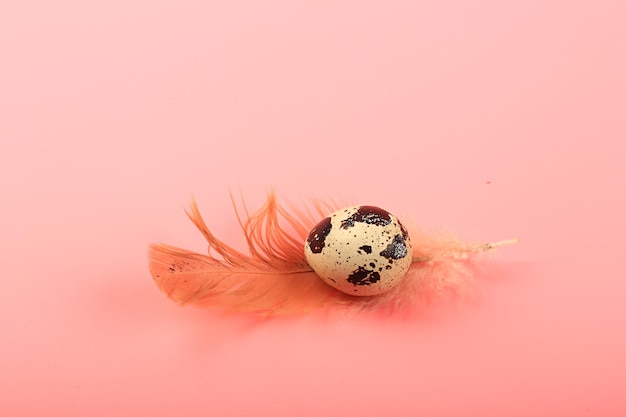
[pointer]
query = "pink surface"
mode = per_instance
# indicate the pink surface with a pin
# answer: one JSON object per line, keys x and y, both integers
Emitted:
{"x": 495, "y": 119}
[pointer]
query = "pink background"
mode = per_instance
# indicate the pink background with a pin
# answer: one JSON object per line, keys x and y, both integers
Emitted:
{"x": 496, "y": 119}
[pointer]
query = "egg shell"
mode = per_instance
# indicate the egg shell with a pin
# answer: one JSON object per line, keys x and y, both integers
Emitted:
{"x": 360, "y": 250}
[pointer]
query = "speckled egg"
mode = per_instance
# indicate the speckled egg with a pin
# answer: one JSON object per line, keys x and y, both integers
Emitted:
{"x": 360, "y": 250}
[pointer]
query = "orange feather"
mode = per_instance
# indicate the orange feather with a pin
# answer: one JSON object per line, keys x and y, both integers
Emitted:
{"x": 274, "y": 277}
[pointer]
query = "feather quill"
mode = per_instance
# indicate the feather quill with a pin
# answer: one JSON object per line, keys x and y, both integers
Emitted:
{"x": 274, "y": 277}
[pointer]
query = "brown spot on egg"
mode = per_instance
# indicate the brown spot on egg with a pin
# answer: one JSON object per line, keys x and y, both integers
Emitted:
{"x": 365, "y": 248}
{"x": 369, "y": 215}
{"x": 317, "y": 237}
{"x": 396, "y": 249}
{"x": 364, "y": 276}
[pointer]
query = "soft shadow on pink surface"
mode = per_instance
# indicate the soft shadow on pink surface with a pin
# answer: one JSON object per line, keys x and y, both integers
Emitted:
{"x": 495, "y": 120}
